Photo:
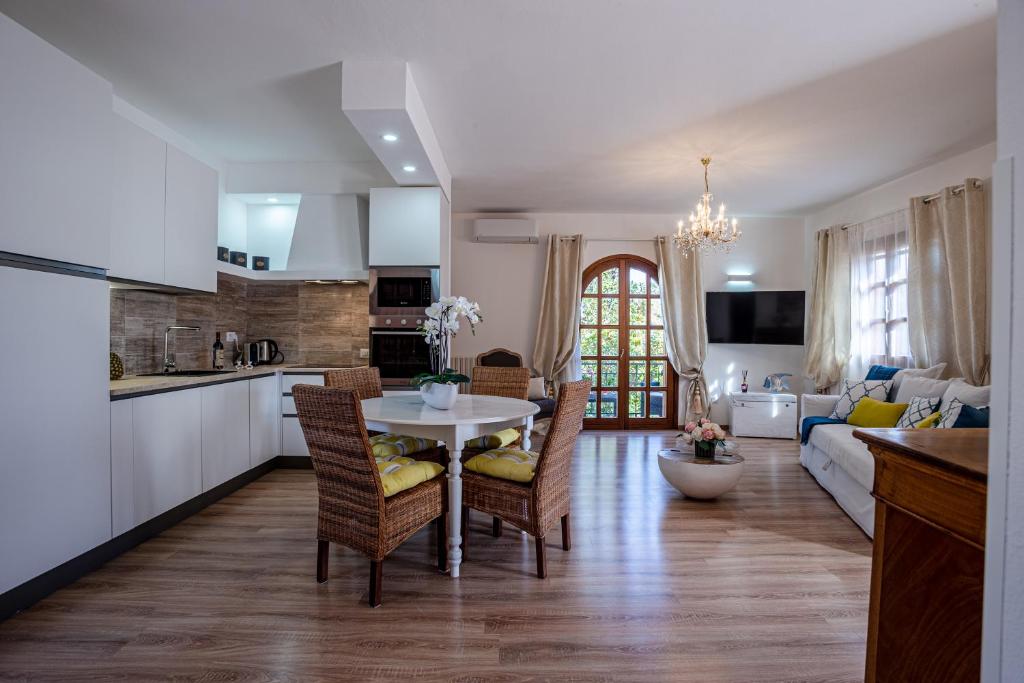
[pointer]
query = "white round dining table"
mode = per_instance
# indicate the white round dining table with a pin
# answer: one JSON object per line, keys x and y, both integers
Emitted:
{"x": 470, "y": 417}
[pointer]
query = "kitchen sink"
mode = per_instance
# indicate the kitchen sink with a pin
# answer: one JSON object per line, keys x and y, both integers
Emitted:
{"x": 187, "y": 373}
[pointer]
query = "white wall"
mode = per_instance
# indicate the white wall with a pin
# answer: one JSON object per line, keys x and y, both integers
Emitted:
{"x": 1003, "y": 626}
{"x": 269, "y": 232}
{"x": 507, "y": 279}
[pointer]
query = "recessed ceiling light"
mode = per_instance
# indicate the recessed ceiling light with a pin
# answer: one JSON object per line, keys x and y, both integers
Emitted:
{"x": 389, "y": 137}
{"x": 272, "y": 200}
{"x": 409, "y": 168}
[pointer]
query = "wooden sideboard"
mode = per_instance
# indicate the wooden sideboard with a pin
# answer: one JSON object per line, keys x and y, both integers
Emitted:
{"x": 928, "y": 563}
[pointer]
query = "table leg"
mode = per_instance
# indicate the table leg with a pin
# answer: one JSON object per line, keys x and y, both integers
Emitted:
{"x": 455, "y": 504}
{"x": 526, "y": 433}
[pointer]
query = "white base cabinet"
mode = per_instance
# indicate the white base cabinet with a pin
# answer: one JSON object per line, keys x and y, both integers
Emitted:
{"x": 225, "y": 432}
{"x": 167, "y": 460}
{"x": 122, "y": 475}
{"x": 763, "y": 414}
{"x": 264, "y": 419}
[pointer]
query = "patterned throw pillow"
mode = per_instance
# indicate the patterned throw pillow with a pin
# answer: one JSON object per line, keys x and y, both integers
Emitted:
{"x": 918, "y": 408}
{"x": 853, "y": 390}
{"x": 950, "y": 412}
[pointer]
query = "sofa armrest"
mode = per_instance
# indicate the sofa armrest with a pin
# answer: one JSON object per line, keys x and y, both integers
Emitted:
{"x": 817, "y": 405}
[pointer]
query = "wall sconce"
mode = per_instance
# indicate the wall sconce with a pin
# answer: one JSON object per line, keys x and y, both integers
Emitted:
{"x": 745, "y": 279}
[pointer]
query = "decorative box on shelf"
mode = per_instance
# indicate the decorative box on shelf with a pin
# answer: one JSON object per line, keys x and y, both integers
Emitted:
{"x": 763, "y": 414}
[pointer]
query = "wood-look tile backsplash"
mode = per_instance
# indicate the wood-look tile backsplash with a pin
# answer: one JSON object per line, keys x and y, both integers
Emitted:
{"x": 312, "y": 324}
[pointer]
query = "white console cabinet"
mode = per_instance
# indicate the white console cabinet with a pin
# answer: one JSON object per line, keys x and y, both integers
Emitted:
{"x": 763, "y": 414}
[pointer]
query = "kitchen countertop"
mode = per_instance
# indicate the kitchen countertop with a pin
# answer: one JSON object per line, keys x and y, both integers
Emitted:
{"x": 132, "y": 386}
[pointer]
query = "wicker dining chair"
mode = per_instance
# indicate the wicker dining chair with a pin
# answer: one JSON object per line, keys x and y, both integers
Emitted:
{"x": 353, "y": 510}
{"x": 538, "y": 505}
{"x": 365, "y": 382}
{"x": 503, "y": 381}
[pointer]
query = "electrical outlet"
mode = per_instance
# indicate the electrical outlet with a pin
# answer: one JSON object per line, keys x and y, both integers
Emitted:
{"x": 231, "y": 336}
{"x": 364, "y": 353}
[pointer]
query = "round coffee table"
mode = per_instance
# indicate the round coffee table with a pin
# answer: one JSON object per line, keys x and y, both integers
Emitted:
{"x": 701, "y": 478}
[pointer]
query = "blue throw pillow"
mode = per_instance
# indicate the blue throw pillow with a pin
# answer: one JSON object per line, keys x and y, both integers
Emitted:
{"x": 971, "y": 417}
{"x": 881, "y": 372}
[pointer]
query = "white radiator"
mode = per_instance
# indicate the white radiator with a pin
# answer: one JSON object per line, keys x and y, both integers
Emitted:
{"x": 463, "y": 365}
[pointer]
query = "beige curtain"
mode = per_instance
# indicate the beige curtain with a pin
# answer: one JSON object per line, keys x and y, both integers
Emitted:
{"x": 686, "y": 335}
{"x": 828, "y": 343}
{"x": 948, "y": 238}
{"x": 556, "y": 349}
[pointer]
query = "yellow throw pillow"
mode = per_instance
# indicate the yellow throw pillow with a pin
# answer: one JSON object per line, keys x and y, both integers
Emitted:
{"x": 396, "y": 444}
{"x": 929, "y": 421}
{"x": 496, "y": 440}
{"x": 398, "y": 473}
{"x": 871, "y": 412}
{"x": 513, "y": 464}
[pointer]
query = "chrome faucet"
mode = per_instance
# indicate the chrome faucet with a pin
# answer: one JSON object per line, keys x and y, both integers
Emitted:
{"x": 169, "y": 365}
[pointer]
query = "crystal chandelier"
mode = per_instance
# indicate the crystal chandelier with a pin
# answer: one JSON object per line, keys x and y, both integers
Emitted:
{"x": 706, "y": 233}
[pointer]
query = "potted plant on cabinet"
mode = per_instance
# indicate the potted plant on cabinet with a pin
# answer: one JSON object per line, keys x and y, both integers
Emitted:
{"x": 439, "y": 389}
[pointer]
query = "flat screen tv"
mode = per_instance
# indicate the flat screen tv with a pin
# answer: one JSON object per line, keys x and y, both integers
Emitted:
{"x": 755, "y": 317}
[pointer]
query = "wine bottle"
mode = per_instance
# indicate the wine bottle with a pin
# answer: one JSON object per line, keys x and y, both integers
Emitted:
{"x": 218, "y": 354}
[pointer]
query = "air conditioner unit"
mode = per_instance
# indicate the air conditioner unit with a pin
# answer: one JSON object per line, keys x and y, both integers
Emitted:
{"x": 505, "y": 230}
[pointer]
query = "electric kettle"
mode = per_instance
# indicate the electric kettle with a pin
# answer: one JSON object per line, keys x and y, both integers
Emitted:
{"x": 263, "y": 352}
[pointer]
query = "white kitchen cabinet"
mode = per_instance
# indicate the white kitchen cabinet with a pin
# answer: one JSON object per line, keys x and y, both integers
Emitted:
{"x": 289, "y": 381}
{"x": 264, "y": 419}
{"x": 225, "y": 432}
{"x": 190, "y": 223}
{"x": 137, "y": 213}
{"x": 167, "y": 440}
{"x": 406, "y": 225}
{"x": 122, "y": 479}
{"x": 293, "y": 442}
{"x": 54, "y": 420}
{"x": 56, "y": 147}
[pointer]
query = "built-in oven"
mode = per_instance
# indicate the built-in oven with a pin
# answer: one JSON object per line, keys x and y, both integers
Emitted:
{"x": 400, "y": 354}
{"x": 400, "y": 290}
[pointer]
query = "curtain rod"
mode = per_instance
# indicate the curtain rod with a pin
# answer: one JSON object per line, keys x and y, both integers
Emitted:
{"x": 611, "y": 239}
{"x": 956, "y": 189}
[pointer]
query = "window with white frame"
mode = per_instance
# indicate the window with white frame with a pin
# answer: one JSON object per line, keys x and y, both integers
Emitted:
{"x": 878, "y": 274}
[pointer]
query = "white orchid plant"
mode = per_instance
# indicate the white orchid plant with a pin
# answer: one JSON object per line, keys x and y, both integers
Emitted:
{"x": 441, "y": 325}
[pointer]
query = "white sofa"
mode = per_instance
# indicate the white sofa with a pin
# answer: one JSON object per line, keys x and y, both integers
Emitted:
{"x": 841, "y": 463}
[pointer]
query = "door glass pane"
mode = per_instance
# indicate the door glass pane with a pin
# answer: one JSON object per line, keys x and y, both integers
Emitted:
{"x": 659, "y": 374}
{"x": 589, "y": 371}
{"x": 609, "y": 403}
{"x": 610, "y": 343}
{"x": 656, "y": 319}
{"x": 610, "y": 281}
{"x": 638, "y": 311}
{"x": 637, "y": 281}
{"x": 592, "y": 287}
{"x": 655, "y": 288}
{"x": 609, "y": 311}
{"x": 638, "y": 342}
{"x": 658, "y": 404}
{"x": 588, "y": 342}
{"x": 609, "y": 373}
{"x": 591, "y": 410}
{"x": 636, "y": 404}
{"x": 589, "y": 312}
{"x": 657, "y": 342}
{"x": 637, "y": 373}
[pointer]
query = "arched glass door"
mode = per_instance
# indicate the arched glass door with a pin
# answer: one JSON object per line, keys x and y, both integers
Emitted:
{"x": 622, "y": 339}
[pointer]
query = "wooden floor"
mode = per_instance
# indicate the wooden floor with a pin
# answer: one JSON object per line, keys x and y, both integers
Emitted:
{"x": 769, "y": 583}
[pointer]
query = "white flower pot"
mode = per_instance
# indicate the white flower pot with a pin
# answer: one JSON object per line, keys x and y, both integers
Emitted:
{"x": 439, "y": 396}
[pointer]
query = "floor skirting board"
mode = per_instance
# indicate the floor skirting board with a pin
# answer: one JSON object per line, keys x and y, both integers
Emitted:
{"x": 32, "y": 591}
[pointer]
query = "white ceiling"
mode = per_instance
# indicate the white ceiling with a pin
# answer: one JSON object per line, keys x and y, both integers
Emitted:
{"x": 574, "y": 105}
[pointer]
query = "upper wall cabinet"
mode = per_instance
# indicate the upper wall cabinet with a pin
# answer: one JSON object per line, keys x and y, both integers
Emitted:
{"x": 190, "y": 223}
{"x": 137, "y": 217}
{"x": 406, "y": 225}
{"x": 55, "y": 152}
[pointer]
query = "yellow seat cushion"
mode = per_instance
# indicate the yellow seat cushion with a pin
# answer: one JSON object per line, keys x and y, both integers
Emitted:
{"x": 929, "y": 421}
{"x": 398, "y": 473}
{"x": 496, "y": 440}
{"x": 871, "y": 412}
{"x": 513, "y": 464}
{"x": 396, "y": 444}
